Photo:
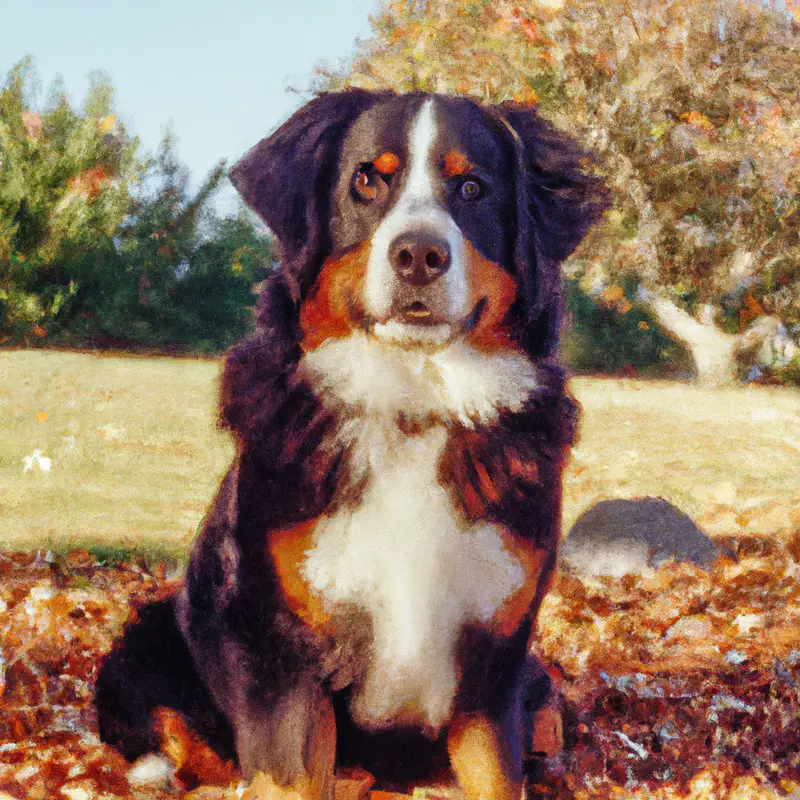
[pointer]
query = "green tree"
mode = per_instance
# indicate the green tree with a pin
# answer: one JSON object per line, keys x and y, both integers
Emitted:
{"x": 65, "y": 177}
{"x": 102, "y": 246}
{"x": 218, "y": 291}
{"x": 183, "y": 276}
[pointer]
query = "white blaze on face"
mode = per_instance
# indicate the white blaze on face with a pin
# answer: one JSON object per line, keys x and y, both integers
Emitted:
{"x": 417, "y": 208}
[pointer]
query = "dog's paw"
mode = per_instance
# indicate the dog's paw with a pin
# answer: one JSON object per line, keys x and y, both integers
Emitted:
{"x": 355, "y": 787}
{"x": 262, "y": 787}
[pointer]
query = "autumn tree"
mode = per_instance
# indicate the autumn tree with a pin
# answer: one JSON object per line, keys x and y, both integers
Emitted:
{"x": 693, "y": 113}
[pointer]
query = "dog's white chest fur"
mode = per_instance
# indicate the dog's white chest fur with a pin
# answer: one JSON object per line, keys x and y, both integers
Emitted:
{"x": 405, "y": 554}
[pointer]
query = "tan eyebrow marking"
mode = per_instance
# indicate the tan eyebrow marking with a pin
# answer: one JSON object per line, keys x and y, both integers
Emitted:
{"x": 386, "y": 163}
{"x": 456, "y": 163}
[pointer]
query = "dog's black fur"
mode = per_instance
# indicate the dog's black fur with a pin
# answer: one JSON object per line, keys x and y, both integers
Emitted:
{"x": 228, "y": 653}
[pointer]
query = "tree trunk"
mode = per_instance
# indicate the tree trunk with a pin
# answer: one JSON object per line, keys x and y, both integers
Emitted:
{"x": 713, "y": 350}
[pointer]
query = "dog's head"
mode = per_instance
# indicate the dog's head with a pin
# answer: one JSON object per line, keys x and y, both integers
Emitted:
{"x": 422, "y": 218}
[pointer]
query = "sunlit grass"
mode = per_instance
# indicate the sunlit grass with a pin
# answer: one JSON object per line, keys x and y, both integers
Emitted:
{"x": 135, "y": 453}
{"x": 730, "y": 458}
{"x": 136, "y": 456}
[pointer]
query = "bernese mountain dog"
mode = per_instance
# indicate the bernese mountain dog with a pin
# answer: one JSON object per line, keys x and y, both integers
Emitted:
{"x": 366, "y": 583}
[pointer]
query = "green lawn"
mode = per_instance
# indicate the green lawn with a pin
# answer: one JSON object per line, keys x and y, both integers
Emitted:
{"x": 136, "y": 456}
{"x": 135, "y": 453}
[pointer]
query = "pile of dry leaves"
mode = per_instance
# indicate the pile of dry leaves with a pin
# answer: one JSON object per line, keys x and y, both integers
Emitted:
{"x": 682, "y": 683}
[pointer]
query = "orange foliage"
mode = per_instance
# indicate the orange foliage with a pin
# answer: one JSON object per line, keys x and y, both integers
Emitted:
{"x": 90, "y": 182}
{"x": 526, "y": 96}
{"x": 699, "y": 122}
{"x": 106, "y": 124}
{"x": 749, "y": 311}
{"x": 530, "y": 30}
{"x": 612, "y": 294}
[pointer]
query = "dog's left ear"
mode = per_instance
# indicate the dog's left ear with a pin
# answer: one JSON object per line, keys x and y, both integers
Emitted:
{"x": 287, "y": 178}
{"x": 557, "y": 201}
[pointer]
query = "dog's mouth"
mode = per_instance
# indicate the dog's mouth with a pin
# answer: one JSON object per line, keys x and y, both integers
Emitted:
{"x": 417, "y": 326}
{"x": 417, "y": 313}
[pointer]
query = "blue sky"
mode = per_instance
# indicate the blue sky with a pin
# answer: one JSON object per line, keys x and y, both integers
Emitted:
{"x": 217, "y": 71}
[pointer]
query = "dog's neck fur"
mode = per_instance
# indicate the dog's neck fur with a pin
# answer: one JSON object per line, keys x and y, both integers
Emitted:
{"x": 405, "y": 554}
{"x": 366, "y": 377}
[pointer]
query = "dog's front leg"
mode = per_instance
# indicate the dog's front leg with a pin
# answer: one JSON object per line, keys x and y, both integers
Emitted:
{"x": 486, "y": 738}
{"x": 287, "y": 747}
{"x": 486, "y": 756}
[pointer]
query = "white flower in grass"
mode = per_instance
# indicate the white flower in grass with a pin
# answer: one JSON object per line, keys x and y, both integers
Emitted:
{"x": 37, "y": 462}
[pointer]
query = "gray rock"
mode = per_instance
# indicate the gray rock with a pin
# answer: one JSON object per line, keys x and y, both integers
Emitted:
{"x": 618, "y": 537}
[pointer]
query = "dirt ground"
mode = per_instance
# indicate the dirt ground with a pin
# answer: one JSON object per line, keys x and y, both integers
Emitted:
{"x": 679, "y": 683}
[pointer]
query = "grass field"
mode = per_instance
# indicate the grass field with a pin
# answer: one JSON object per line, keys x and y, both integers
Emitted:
{"x": 136, "y": 455}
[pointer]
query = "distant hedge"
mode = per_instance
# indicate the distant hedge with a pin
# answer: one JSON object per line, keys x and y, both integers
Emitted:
{"x": 617, "y": 338}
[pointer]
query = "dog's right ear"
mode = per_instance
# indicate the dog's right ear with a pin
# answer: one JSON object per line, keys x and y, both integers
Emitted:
{"x": 287, "y": 178}
{"x": 558, "y": 198}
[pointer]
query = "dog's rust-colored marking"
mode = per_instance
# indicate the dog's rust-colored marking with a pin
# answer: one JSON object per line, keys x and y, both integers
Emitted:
{"x": 195, "y": 762}
{"x": 386, "y": 163}
{"x": 486, "y": 278}
{"x": 462, "y": 463}
{"x": 455, "y": 163}
{"x": 511, "y": 614}
{"x": 354, "y": 784}
{"x": 485, "y": 483}
{"x": 481, "y": 761}
{"x": 483, "y": 474}
{"x": 288, "y": 548}
{"x": 328, "y": 311}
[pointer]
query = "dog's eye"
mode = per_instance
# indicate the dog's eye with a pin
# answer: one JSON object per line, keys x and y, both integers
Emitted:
{"x": 470, "y": 190}
{"x": 365, "y": 186}
{"x": 369, "y": 184}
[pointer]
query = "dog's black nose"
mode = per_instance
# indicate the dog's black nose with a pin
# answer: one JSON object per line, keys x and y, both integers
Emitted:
{"x": 419, "y": 258}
